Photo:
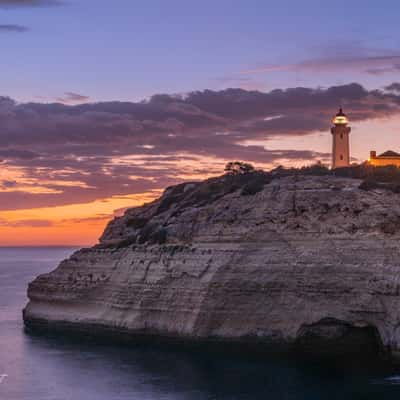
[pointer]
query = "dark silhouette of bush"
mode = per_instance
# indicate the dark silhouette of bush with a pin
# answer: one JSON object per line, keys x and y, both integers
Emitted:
{"x": 388, "y": 173}
{"x": 238, "y": 167}
{"x": 317, "y": 169}
{"x": 215, "y": 188}
{"x": 384, "y": 177}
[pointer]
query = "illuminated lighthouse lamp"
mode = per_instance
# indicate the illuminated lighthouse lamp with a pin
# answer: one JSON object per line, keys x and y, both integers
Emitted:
{"x": 340, "y": 118}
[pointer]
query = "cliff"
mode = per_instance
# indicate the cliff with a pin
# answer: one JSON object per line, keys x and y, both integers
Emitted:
{"x": 310, "y": 263}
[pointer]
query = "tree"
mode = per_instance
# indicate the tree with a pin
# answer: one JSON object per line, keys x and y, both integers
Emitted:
{"x": 238, "y": 167}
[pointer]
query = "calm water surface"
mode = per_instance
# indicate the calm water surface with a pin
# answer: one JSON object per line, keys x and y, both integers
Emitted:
{"x": 38, "y": 368}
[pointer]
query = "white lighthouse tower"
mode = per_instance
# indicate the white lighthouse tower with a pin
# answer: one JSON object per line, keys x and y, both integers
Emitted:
{"x": 341, "y": 143}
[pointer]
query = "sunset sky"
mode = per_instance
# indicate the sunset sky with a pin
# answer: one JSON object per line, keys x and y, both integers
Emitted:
{"x": 104, "y": 104}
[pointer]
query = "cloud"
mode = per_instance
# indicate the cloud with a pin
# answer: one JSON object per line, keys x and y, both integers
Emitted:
{"x": 4, "y": 28}
{"x": 8, "y": 184}
{"x": 394, "y": 87}
{"x": 98, "y": 218}
{"x": 73, "y": 98}
{"x": 31, "y": 223}
{"x": 29, "y": 3}
{"x": 62, "y": 154}
{"x": 8, "y": 4}
{"x": 370, "y": 64}
{"x": 9, "y": 153}
{"x": 240, "y": 81}
{"x": 339, "y": 56}
{"x": 384, "y": 70}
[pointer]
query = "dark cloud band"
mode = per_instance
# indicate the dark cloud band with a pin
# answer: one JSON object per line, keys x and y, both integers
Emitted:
{"x": 11, "y": 28}
{"x": 29, "y": 3}
{"x": 118, "y": 148}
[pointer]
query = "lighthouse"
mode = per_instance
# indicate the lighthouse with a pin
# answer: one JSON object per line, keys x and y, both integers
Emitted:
{"x": 340, "y": 140}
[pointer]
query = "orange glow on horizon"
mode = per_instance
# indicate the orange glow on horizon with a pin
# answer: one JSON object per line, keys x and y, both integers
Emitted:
{"x": 71, "y": 225}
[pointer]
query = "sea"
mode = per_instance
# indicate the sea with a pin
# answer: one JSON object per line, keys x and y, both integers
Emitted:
{"x": 55, "y": 368}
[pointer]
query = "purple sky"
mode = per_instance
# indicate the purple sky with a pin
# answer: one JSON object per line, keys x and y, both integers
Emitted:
{"x": 129, "y": 50}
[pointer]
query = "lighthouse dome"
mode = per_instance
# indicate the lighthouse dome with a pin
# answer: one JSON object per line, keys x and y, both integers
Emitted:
{"x": 340, "y": 118}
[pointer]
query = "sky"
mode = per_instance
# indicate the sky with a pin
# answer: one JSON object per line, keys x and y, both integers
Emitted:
{"x": 104, "y": 104}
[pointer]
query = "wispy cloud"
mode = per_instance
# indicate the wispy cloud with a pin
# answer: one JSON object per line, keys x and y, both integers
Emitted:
{"x": 9, "y": 4}
{"x": 369, "y": 64}
{"x": 73, "y": 98}
{"x": 31, "y": 223}
{"x": 29, "y": 3}
{"x": 8, "y": 184}
{"x": 239, "y": 81}
{"x": 10, "y": 28}
{"x": 338, "y": 56}
{"x": 393, "y": 87}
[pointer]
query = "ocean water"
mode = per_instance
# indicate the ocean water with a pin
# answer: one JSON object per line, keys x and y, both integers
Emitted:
{"x": 43, "y": 368}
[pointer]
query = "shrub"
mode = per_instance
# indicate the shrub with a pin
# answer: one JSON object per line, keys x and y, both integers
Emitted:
{"x": 238, "y": 167}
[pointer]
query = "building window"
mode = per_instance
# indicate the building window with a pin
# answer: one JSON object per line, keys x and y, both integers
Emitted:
{"x": 341, "y": 156}
{"x": 341, "y": 136}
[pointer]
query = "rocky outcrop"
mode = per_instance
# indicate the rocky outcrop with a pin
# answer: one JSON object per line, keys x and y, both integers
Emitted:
{"x": 303, "y": 261}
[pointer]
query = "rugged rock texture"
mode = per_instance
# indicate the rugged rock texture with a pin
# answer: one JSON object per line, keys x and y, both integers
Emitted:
{"x": 305, "y": 261}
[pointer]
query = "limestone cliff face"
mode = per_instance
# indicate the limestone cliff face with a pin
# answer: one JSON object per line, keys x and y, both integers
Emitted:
{"x": 289, "y": 260}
